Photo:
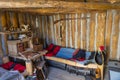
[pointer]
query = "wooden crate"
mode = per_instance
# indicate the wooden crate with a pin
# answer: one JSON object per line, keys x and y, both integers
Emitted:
{"x": 15, "y": 46}
{"x": 38, "y": 47}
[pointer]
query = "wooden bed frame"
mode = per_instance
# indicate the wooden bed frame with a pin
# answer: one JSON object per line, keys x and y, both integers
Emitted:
{"x": 72, "y": 63}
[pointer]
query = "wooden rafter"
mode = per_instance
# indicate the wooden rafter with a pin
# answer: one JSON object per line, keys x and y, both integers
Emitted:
{"x": 49, "y": 11}
{"x": 40, "y": 6}
{"x": 56, "y": 4}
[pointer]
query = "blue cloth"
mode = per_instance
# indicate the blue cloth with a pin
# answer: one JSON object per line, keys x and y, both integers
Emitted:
{"x": 88, "y": 54}
{"x": 66, "y": 53}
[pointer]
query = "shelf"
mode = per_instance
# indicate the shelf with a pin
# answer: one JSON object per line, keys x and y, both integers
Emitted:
{"x": 8, "y": 32}
{"x": 18, "y": 41}
{"x": 30, "y": 57}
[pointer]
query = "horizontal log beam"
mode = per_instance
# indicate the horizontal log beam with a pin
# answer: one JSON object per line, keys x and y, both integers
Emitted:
{"x": 40, "y": 6}
{"x": 57, "y": 4}
{"x": 50, "y": 11}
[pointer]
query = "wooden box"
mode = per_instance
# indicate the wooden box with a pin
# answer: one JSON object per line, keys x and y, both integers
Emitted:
{"x": 38, "y": 47}
{"x": 15, "y": 46}
{"x": 20, "y": 47}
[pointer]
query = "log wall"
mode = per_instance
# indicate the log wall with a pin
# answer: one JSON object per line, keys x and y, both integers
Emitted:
{"x": 84, "y": 30}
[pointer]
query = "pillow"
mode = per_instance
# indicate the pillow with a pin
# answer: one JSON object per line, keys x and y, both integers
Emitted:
{"x": 56, "y": 49}
{"x": 50, "y": 47}
{"x": 54, "y": 52}
{"x": 66, "y": 53}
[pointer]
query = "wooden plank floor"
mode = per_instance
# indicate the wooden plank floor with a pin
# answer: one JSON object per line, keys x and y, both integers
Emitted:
{"x": 58, "y": 74}
{"x": 106, "y": 77}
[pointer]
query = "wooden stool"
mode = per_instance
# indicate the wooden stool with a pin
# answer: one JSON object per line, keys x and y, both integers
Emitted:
{"x": 42, "y": 71}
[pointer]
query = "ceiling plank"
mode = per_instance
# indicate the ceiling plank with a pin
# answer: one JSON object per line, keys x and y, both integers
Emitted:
{"x": 51, "y": 11}
{"x": 57, "y": 4}
{"x": 40, "y": 6}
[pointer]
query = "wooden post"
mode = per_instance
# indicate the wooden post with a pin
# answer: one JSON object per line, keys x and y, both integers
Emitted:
{"x": 101, "y": 71}
{"x": 3, "y": 24}
{"x": 101, "y": 67}
{"x": 42, "y": 71}
{"x": 0, "y": 36}
{"x": 4, "y": 44}
{"x": 29, "y": 68}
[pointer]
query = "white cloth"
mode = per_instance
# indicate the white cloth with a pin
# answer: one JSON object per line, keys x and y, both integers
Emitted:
{"x": 10, "y": 75}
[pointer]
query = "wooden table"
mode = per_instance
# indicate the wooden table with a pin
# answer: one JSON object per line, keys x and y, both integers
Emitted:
{"x": 28, "y": 58}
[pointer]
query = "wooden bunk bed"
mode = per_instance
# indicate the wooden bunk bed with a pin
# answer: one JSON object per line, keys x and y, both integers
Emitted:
{"x": 98, "y": 67}
{"x": 72, "y": 63}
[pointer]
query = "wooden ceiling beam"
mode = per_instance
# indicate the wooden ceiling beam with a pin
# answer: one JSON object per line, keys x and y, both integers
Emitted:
{"x": 56, "y": 4}
{"x": 50, "y": 11}
{"x": 40, "y": 6}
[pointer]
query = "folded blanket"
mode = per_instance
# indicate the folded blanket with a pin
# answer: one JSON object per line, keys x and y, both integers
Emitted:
{"x": 12, "y": 75}
{"x": 14, "y": 66}
{"x": 80, "y": 55}
{"x": 66, "y": 53}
